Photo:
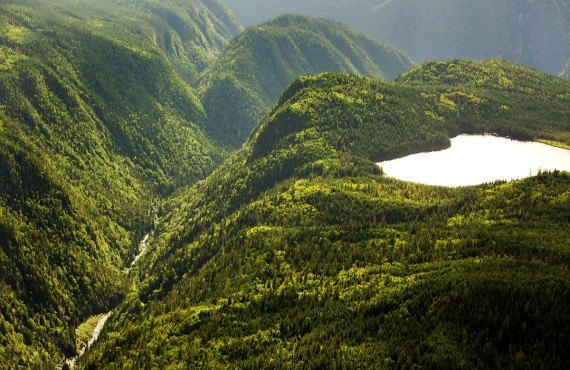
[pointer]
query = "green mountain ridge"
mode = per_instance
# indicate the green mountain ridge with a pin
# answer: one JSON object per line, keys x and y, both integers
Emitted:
{"x": 189, "y": 33}
{"x": 99, "y": 120}
{"x": 259, "y": 63}
{"x": 95, "y": 125}
{"x": 298, "y": 252}
{"x": 534, "y": 33}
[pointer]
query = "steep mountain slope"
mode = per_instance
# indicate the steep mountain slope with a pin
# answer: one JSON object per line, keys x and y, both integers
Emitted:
{"x": 94, "y": 125}
{"x": 297, "y": 252}
{"x": 251, "y": 73}
{"x": 534, "y": 33}
{"x": 190, "y": 33}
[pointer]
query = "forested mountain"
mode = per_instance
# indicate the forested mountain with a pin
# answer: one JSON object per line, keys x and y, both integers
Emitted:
{"x": 118, "y": 118}
{"x": 190, "y": 33}
{"x": 258, "y": 64}
{"x": 95, "y": 124}
{"x": 298, "y": 252}
{"x": 534, "y": 33}
{"x": 99, "y": 119}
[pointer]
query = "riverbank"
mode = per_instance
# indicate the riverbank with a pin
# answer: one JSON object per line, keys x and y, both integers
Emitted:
{"x": 88, "y": 332}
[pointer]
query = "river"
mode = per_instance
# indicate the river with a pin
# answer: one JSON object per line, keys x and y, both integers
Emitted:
{"x": 70, "y": 362}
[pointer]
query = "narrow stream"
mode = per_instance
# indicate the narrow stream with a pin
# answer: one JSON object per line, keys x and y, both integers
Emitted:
{"x": 142, "y": 248}
{"x": 70, "y": 362}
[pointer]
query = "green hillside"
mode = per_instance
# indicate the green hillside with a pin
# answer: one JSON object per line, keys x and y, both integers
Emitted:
{"x": 534, "y": 33}
{"x": 189, "y": 33}
{"x": 95, "y": 125}
{"x": 258, "y": 64}
{"x": 298, "y": 253}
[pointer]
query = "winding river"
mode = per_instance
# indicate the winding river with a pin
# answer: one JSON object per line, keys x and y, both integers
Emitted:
{"x": 70, "y": 362}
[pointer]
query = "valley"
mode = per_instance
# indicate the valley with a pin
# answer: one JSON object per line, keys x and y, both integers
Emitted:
{"x": 69, "y": 363}
{"x": 181, "y": 190}
{"x": 102, "y": 318}
{"x": 308, "y": 230}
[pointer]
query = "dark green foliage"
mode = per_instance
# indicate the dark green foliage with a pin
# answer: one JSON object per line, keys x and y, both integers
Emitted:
{"x": 95, "y": 124}
{"x": 298, "y": 253}
{"x": 259, "y": 63}
{"x": 52, "y": 259}
{"x": 421, "y": 111}
{"x": 531, "y": 32}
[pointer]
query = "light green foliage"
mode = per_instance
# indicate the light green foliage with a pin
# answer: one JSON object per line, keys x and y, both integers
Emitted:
{"x": 294, "y": 252}
{"x": 84, "y": 332}
{"x": 297, "y": 252}
{"x": 494, "y": 74}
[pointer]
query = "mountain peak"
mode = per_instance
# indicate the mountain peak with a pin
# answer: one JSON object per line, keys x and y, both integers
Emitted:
{"x": 255, "y": 68}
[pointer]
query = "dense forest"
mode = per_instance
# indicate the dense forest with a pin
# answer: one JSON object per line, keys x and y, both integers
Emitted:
{"x": 299, "y": 252}
{"x": 100, "y": 117}
{"x": 95, "y": 125}
{"x": 238, "y": 89}
{"x": 247, "y": 156}
{"x": 534, "y": 33}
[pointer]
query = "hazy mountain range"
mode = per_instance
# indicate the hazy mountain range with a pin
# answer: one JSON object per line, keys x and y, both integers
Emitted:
{"x": 531, "y": 32}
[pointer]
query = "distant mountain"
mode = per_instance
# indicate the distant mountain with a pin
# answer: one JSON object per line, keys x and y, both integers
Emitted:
{"x": 95, "y": 123}
{"x": 534, "y": 33}
{"x": 297, "y": 250}
{"x": 252, "y": 12}
{"x": 191, "y": 33}
{"x": 259, "y": 63}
